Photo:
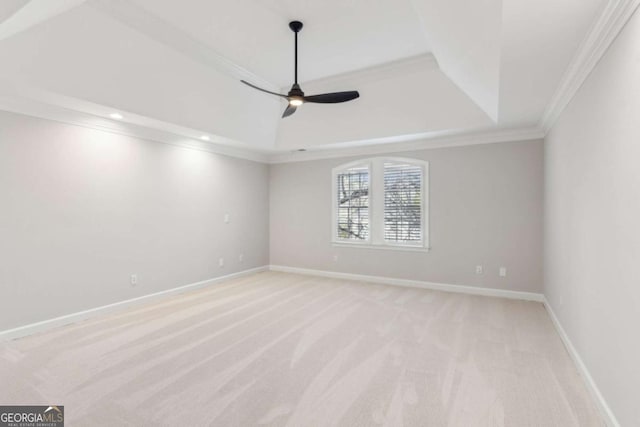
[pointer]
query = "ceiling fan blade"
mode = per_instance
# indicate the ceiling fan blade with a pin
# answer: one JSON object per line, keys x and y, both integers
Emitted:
{"x": 332, "y": 98}
{"x": 289, "y": 110}
{"x": 263, "y": 90}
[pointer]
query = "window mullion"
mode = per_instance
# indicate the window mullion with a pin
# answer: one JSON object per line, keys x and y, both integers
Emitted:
{"x": 377, "y": 202}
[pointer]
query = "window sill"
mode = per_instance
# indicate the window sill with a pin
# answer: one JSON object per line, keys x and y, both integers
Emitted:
{"x": 404, "y": 248}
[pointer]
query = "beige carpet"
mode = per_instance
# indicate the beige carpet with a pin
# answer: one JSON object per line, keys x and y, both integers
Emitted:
{"x": 277, "y": 349}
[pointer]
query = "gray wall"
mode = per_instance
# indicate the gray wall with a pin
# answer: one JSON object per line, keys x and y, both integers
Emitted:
{"x": 82, "y": 209}
{"x": 592, "y": 223}
{"x": 486, "y": 209}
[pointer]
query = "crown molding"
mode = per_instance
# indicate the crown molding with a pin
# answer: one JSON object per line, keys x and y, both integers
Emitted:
{"x": 48, "y": 106}
{"x": 17, "y": 97}
{"x": 614, "y": 16}
{"x": 415, "y": 142}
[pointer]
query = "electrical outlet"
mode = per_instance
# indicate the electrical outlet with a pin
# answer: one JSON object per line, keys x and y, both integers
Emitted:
{"x": 221, "y": 262}
{"x": 226, "y": 218}
{"x": 479, "y": 269}
{"x": 134, "y": 279}
{"x": 502, "y": 272}
{"x": 335, "y": 258}
{"x": 241, "y": 258}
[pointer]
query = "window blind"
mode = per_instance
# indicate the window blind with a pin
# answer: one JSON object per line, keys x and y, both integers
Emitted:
{"x": 353, "y": 204}
{"x": 402, "y": 202}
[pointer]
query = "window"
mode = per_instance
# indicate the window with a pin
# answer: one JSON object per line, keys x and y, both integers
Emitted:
{"x": 353, "y": 204}
{"x": 381, "y": 202}
{"x": 402, "y": 202}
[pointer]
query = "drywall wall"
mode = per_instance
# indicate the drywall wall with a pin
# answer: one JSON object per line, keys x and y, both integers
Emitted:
{"x": 485, "y": 209}
{"x": 82, "y": 210}
{"x": 592, "y": 226}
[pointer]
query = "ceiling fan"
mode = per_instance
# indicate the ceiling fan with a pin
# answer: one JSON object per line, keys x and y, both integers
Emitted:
{"x": 296, "y": 96}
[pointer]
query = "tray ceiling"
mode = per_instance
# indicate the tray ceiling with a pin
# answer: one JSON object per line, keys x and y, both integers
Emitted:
{"x": 421, "y": 66}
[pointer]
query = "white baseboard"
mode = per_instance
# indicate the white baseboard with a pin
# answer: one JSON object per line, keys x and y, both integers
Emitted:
{"x": 491, "y": 292}
{"x": 33, "y": 328}
{"x": 607, "y": 414}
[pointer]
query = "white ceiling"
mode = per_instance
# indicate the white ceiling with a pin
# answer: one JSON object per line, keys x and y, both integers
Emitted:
{"x": 338, "y": 36}
{"x": 422, "y": 67}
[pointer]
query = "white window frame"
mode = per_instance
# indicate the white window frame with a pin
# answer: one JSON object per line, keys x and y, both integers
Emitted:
{"x": 376, "y": 238}
{"x": 334, "y": 205}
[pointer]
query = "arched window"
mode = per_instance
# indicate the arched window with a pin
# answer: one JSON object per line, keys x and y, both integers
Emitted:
{"x": 381, "y": 202}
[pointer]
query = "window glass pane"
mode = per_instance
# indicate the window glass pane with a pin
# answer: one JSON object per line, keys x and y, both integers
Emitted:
{"x": 353, "y": 204}
{"x": 402, "y": 203}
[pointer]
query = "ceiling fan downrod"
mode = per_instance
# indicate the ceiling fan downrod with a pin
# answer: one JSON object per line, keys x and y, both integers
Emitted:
{"x": 296, "y": 96}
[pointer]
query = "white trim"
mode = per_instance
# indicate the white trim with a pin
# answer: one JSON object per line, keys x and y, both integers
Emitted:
{"x": 471, "y": 290}
{"x": 606, "y": 412}
{"x": 609, "y": 24}
{"x": 45, "y": 325}
{"x": 177, "y": 136}
{"x": 20, "y": 98}
{"x": 404, "y": 143}
{"x": 359, "y": 164}
{"x": 387, "y": 246}
{"x": 167, "y": 133}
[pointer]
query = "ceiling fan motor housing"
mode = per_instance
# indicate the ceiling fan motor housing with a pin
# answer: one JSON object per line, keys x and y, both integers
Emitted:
{"x": 296, "y": 91}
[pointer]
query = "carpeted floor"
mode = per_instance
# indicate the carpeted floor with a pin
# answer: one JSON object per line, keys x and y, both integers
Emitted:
{"x": 278, "y": 349}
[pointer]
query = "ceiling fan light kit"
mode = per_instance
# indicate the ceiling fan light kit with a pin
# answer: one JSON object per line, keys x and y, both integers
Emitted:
{"x": 296, "y": 97}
